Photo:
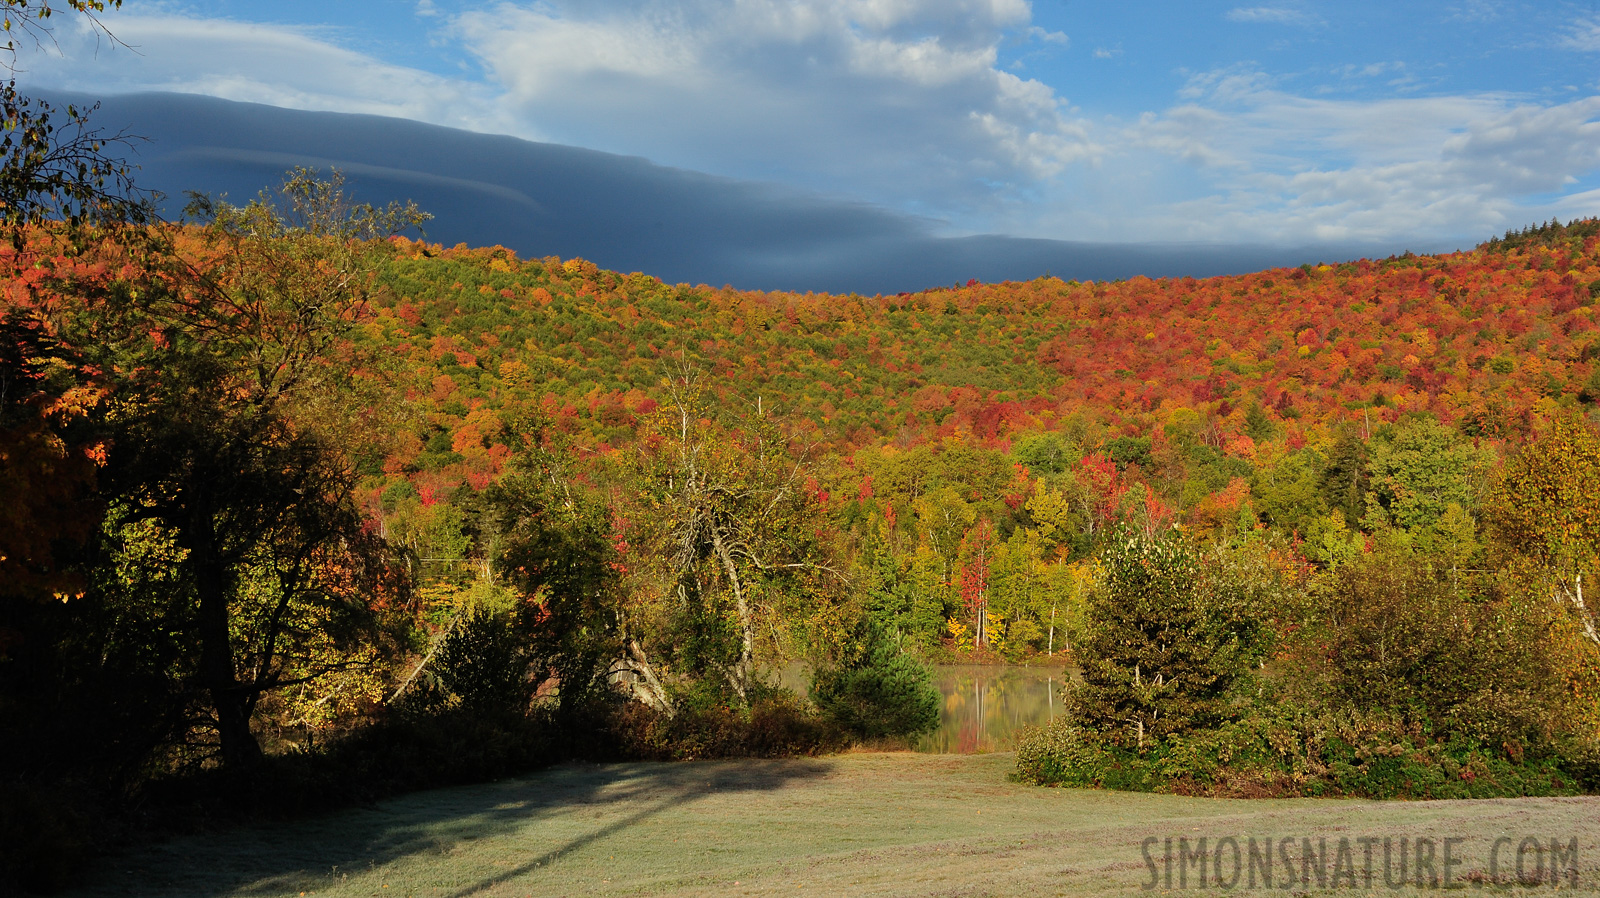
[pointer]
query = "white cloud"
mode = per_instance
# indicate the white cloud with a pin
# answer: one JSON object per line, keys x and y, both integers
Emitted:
{"x": 1474, "y": 11}
{"x": 1049, "y": 37}
{"x": 259, "y": 64}
{"x": 896, "y": 101}
{"x": 1267, "y": 165}
{"x": 1274, "y": 15}
{"x": 1584, "y": 35}
{"x": 1372, "y": 70}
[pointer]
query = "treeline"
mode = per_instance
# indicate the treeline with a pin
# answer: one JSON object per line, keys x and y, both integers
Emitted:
{"x": 1405, "y": 667}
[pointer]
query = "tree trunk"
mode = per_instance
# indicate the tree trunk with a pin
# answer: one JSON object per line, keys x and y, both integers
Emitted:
{"x": 646, "y": 686}
{"x": 229, "y": 698}
{"x": 739, "y": 673}
{"x": 1583, "y": 610}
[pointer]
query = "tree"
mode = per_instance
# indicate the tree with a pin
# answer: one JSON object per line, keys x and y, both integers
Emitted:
{"x": 51, "y": 449}
{"x": 59, "y": 176}
{"x": 557, "y": 545}
{"x": 1397, "y": 635}
{"x": 218, "y": 441}
{"x": 730, "y": 515}
{"x": 976, "y": 548}
{"x": 1162, "y": 653}
{"x": 282, "y": 279}
{"x": 1545, "y": 507}
{"x": 1418, "y": 472}
{"x": 874, "y": 690}
{"x": 273, "y": 549}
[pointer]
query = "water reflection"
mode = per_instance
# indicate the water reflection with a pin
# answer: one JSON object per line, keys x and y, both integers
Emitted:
{"x": 985, "y": 706}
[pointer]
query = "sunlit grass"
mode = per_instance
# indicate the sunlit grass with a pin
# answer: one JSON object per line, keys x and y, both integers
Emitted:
{"x": 857, "y": 824}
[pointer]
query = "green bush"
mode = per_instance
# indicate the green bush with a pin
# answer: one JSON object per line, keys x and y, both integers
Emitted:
{"x": 876, "y": 691}
{"x": 1278, "y": 754}
{"x": 484, "y": 665}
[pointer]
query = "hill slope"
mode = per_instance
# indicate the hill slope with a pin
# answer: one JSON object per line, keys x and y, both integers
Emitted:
{"x": 1474, "y": 339}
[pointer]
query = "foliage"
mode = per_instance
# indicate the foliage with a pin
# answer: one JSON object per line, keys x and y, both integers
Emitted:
{"x": 775, "y": 724}
{"x": 1270, "y": 754}
{"x": 483, "y": 666}
{"x": 726, "y": 523}
{"x": 1545, "y": 507}
{"x": 1165, "y": 644}
{"x": 874, "y": 690}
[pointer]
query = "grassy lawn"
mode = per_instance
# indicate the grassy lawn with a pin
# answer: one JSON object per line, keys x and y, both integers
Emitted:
{"x": 855, "y": 824}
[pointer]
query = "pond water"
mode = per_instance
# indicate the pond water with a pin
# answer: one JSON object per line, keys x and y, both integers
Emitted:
{"x": 984, "y": 706}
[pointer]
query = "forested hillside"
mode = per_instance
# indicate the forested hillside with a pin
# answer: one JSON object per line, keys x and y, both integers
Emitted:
{"x": 1511, "y": 322}
{"x": 1035, "y": 415}
{"x": 301, "y": 510}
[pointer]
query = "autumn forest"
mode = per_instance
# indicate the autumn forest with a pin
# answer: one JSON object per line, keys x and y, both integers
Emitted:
{"x": 303, "y": 509}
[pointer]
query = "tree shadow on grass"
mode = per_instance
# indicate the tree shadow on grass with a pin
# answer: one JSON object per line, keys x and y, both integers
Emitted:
{"x": 312, "y": 855}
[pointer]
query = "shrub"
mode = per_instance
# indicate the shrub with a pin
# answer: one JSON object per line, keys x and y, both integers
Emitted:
{"x": 776, "y": 725}
{"x": 1275, "y": 753}
{"x": 484, "y": 665}
{"x": 876, "y": 691}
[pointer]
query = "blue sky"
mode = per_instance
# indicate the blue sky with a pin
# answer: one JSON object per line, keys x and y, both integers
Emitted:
{"x": 1418, "y": 125}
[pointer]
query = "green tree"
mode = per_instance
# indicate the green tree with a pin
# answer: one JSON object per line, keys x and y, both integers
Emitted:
{"x": 557, "y": 547}
{"x": 875, "y": 690}
{"x": 1544, "y": 508}
{"x": 736, "y": 566}
{"x": 218, "y": 442}
{"x": 1164, "y": 648}
{"x": 1418, "y": 471}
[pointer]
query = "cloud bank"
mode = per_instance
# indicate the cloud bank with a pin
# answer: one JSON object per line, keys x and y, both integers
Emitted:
{"x": 907, "y": 105}
{"x": 621, "y": 212}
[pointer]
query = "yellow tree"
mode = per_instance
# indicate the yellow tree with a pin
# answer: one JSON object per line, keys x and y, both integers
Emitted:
{"x": 1544, "y": 508}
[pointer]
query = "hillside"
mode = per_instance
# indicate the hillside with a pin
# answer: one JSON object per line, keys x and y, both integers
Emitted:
{"x": 1474, "y": 339}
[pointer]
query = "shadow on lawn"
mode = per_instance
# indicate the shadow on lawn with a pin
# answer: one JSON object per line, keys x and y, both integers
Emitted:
{"x": 312, "y": 855}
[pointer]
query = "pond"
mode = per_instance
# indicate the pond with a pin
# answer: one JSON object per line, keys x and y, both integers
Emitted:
{"x": 984, "y": 706}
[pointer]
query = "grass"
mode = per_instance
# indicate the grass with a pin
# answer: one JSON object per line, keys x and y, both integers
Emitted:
{"x": 859, "y": 824}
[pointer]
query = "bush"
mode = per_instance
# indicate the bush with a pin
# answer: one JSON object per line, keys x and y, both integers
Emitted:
{"x": 876, "y": 691}
{"x": 777, "y": 725}
{"x": 484, "y": 665}
{"x": 1277, "y": 754}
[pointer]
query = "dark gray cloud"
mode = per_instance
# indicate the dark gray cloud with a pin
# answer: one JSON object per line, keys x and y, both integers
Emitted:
{"x": 620, "y": 212}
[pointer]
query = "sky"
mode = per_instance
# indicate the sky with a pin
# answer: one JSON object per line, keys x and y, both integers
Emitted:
{"x": 1427, "y": 125}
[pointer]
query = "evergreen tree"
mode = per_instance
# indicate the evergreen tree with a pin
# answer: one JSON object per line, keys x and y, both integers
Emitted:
{"x": 1163, "y": 648}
